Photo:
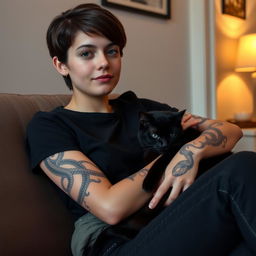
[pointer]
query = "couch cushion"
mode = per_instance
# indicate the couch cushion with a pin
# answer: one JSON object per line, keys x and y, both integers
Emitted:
{"x": 33, "y": 219}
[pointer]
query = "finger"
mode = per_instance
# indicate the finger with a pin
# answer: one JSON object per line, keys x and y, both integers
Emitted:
{"x": 186, "y": 117}
{"x": 190, "y": 123}
{"x": 194, "y": 122}
{"x": 176, "y": 190}
{"x": 163, "y": 188}
{"x": 186, "y": 186}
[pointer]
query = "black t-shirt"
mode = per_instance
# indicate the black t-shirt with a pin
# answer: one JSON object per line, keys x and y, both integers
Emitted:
{"x": 108, "y": 139}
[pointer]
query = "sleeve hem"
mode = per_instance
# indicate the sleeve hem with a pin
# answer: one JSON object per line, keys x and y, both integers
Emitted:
{"x": 35, "y": 164}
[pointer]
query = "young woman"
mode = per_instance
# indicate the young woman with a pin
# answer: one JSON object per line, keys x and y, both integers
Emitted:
{"x": 89, "y": 149}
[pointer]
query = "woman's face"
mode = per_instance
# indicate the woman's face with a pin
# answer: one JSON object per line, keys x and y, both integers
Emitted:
{"x": 94, "y": 65}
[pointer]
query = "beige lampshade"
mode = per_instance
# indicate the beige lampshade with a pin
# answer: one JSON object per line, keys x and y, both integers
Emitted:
{"x": 246, "y": 55}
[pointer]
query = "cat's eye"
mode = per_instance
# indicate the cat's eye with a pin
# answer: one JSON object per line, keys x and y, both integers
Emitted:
{"x": 155, "y": 136}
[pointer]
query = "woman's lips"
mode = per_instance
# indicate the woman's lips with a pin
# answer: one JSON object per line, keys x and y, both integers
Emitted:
{"x": 103, "y": 78}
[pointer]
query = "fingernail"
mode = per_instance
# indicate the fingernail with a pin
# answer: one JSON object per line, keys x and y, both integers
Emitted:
{"x": 151, "y": 205}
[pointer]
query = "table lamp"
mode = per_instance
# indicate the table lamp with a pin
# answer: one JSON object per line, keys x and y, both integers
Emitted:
{"x": 246, "y": 59}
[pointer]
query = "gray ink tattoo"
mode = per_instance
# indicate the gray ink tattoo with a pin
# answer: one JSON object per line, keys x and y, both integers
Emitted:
{"x": 59, "y": 167}
{"x": 142, "y": 173}
{"x": 212, "y": 136}
{"x": 183, "y": 166}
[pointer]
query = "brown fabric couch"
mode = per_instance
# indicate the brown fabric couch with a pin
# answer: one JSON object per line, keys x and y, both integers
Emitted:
{"x": 33, "y": 220}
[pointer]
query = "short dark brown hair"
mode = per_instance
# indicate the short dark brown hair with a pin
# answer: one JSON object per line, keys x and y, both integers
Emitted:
{"x": 91, "y": 19}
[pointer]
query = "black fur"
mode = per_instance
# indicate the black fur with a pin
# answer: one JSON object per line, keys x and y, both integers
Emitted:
{"x": 161, "y": 132}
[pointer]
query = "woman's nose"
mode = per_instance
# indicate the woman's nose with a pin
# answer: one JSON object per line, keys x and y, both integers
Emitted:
{"x": 102, "y": 62}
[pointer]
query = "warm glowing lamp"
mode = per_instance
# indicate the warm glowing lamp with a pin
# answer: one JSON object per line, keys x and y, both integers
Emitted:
{"x": 246, "y": 55}
{"x": 246, "y": 58}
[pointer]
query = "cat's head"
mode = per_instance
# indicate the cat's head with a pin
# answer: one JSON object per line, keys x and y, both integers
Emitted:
{"x": 159, "y": 130}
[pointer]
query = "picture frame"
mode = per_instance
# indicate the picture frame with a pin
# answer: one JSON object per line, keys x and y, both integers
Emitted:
{"x": 157, "y": 8}
{"x": 236, "y": 8}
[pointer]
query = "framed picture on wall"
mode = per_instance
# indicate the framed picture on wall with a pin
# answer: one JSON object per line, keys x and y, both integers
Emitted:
{"x": 235, "y": 8}
{"x": 157, "y": 8}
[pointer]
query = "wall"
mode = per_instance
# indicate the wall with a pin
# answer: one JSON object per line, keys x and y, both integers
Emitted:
{"x": 155, "y": 63}
{"x": 234, "y": 90}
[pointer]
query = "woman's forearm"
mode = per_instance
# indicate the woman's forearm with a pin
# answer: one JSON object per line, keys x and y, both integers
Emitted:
{"x": 125, "y": 197}
{"x": 217, "y": 137}
{"x": 83, "y": 181}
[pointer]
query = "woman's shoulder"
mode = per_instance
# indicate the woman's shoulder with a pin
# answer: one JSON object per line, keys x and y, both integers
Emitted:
{"x": 44, "y": 117}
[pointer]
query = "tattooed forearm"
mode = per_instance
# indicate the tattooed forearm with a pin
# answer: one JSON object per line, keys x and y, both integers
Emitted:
{"x": 211, "y": 136}
{"x": 141, "y": 173}
{"x": 66, "y": 169}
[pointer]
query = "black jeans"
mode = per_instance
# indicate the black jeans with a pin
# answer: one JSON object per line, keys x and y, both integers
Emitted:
{"x": 216, "y": 216}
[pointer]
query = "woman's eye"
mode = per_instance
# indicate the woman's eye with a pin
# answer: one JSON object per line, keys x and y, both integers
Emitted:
{"x": 113, "y": 52}
{"x": 86, "y": 54}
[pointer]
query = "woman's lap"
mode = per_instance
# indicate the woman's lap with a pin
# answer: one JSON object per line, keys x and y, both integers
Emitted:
{"x": 205, "y": 216}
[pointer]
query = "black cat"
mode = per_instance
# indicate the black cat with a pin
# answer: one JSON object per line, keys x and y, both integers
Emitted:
{"x": 161, "y": 132}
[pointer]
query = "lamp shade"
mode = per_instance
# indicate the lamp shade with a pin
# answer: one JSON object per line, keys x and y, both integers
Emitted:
{"x": 246, "y": 55}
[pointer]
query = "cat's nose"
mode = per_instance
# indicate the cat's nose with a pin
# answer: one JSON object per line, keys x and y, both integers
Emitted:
{"x": 164, "y": 145}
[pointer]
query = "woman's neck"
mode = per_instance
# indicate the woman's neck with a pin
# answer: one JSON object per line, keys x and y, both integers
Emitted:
{"x": 90, "y": 104}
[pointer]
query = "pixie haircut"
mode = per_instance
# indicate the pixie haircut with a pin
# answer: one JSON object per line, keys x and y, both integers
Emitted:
{"x": 88, "y": 18}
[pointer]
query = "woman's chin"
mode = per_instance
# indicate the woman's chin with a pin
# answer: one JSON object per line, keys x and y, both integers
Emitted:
{"x": 105, "y": 90}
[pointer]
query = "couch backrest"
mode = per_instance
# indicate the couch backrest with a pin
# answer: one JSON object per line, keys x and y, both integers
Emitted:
{"x": 33, "y": 220}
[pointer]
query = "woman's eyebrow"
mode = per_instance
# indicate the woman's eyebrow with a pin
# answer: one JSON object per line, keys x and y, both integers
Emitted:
{"x": 86, "y": 46}
{"x": 111, "y": 44}
{"x": 94, "y": 46}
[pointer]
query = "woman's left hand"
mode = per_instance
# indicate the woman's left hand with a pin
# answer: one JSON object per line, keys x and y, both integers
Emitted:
{"x": 179, "y": 174}
{"x": 181, "y": 171}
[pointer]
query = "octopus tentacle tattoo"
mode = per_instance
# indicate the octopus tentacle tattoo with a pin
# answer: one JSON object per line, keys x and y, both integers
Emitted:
{"x": 212, "y": 136}
{"x": 59, "y": 167}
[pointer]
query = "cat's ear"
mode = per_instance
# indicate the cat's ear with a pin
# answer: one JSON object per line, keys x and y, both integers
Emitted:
{"x": 178, "y": 115}
{"x": 182, "y": 112}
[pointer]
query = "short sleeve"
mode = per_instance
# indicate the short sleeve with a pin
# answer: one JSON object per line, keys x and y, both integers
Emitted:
{"x": 46, "y": 136}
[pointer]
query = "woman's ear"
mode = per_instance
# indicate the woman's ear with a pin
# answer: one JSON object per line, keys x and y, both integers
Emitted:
{"x": 60, "y": 67}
